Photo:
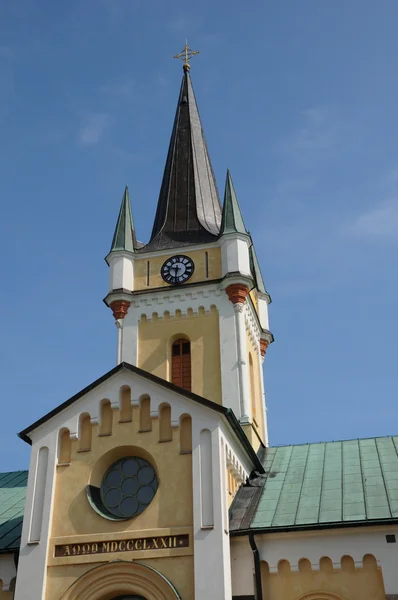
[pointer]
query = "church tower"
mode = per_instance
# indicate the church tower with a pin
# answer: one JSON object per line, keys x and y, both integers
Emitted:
{"x": 190, "y": 305}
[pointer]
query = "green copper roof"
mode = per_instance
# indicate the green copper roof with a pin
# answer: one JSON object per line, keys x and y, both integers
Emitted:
{"x": 255, "y": 269}
{"x": 325, "y": 484}
{"x": 232, "y": 220}
{"x": 124, "y": 236}
{"x": 12, "y": 502}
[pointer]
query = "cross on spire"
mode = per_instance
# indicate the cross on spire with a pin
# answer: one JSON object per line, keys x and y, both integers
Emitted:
{"x": 186, "y": 54}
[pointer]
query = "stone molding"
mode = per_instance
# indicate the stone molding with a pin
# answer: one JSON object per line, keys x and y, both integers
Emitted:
{"x": 121, "y": 578}
{"x": 175, "y": 296}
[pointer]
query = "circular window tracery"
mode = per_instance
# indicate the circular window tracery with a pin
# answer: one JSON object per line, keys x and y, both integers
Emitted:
{"x": 128, "y": 487}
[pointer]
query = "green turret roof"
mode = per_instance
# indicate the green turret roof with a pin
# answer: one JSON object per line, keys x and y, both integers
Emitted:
{"x": 256, "y": 271}
{"x": 232, "y": 220}
{"x": 124, "y": 236}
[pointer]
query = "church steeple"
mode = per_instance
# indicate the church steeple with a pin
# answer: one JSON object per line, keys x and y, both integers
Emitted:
{"x": 191, "y": 306}
{"x": 188, "y": 210}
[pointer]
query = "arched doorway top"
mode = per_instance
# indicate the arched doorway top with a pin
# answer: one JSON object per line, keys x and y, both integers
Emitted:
{"x": 119, "y": 579}
{"x": 320, "y": 596}
{"x": 129, "y": 598}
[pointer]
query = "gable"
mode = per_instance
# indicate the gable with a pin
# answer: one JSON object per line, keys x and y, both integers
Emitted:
{"x": 108, "y": 387}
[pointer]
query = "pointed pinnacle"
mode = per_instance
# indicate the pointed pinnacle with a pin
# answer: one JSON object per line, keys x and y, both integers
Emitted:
{"x": 232, "y": 220}
{"x": 124, "y": 236}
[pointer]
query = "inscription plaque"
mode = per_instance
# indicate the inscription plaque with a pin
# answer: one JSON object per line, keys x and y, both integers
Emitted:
{"x": 166, "y": 542}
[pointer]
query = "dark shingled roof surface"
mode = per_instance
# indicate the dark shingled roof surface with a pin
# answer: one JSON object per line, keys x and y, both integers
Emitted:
{"x": 12, "y": 502}
{"x": 189, "y": 210}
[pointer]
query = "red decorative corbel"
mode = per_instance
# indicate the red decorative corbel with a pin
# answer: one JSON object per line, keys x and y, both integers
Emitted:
{"x": 263, "y": 347}
{"x": 120, "y": 308}
{"x": 237, "y": 292}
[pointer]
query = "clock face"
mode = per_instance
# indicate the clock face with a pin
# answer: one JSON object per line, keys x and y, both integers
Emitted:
{"x": 177, "y": 269}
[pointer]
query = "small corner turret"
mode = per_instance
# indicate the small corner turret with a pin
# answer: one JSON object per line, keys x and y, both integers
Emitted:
{"x": 235, "y": 240}
{"x": 121, "y": 261}
{"x": 124, "y": 236}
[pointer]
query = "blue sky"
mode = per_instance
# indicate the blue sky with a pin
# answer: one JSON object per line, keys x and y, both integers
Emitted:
{"x": 298, "y": 98}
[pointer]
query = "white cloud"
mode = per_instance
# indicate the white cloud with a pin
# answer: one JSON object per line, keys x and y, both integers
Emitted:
{"x": 381, "y": 221}
{"x": 93, "y": 127}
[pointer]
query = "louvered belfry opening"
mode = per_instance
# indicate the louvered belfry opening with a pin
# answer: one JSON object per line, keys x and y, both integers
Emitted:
{"x": 181, "y": 364}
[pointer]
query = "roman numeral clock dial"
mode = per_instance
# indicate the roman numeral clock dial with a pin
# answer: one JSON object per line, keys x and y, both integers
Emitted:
{"x": 177, "y": 269}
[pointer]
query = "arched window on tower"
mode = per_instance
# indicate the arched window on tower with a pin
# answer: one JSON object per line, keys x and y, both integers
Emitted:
{"x": 181, "y": 363}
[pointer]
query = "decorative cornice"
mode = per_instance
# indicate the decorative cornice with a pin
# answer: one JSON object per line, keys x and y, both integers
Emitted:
{"x": 119, "y": 308}
{"x": 116, "y": 254}
{"x": 117, "y": 295}
{"x": 237, "y": 292}
{"x": 177, "y": 295}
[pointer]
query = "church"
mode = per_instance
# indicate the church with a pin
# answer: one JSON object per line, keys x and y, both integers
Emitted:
{"x": 158, "y": 481}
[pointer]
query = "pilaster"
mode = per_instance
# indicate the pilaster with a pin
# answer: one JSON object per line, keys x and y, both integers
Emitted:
{"x": 237, "y": 293}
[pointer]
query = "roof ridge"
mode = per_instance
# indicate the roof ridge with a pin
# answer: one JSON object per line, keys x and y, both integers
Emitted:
{"x": 383, "y": 477}
{"x": 374, "y": 437}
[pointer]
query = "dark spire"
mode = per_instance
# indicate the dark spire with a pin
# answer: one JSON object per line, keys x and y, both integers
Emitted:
{"x": 232, "y": 220}
{"x": 188, "y": 210}
{"x": 124, "y": 236}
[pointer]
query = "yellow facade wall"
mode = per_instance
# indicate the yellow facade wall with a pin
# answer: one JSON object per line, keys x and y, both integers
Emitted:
{"x": 156, "y": 335}
{"x": 258, "y": 421}
{"x": 252, "y": 435}
{"x": 345, "y": 583}
{"x": 254, "y": 298}
{"x": 5, "y": 595}
{"x": 200, "y": 274}
{"x": 170, "y": 512}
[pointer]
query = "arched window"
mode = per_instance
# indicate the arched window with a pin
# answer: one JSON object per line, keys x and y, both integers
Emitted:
{"x": 126, "y": 410}
{"x": 165, "y": 430}
{"x": 85, "y": 433}
{"x": 65, "y": 449}
{"x": 145, "y": 414}
{"x": 106, "y": 418}
{"x": 181, "y": 364}
{"x": 185, "y": 434}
